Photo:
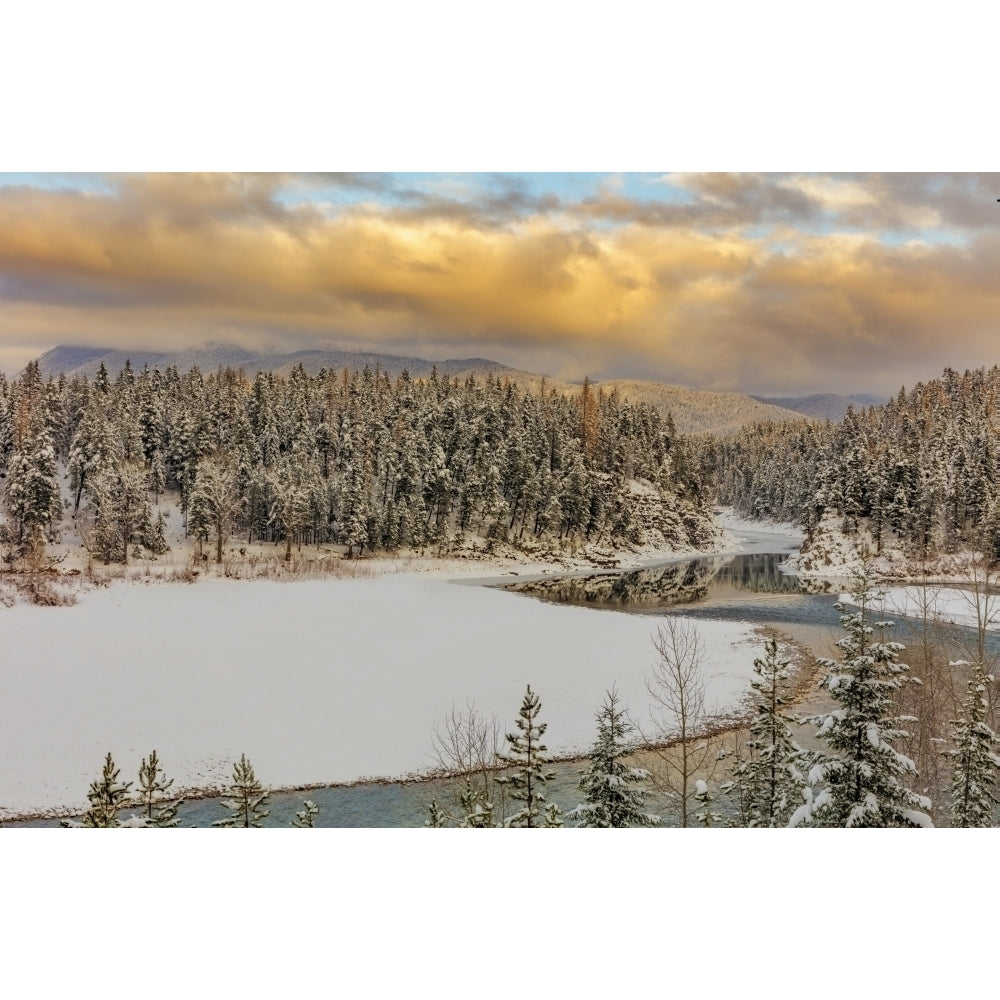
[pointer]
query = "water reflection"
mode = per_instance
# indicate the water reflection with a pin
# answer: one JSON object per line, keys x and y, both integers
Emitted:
{"x": 717, "y": 578}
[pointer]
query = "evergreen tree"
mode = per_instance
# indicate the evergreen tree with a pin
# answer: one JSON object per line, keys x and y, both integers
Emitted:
{"x": 33, "y": 489}
{"x": 553, "y": 817}
{"x": 157, "y": 479}
{"x": 120, "y": 508}
{"x": 214, "y": 501}
{"x": 436, "y": 816}
{"x": 477, "y": 810}
{"x": 305, "y": 818}
{"x": 860, "y": 777}
{"x": 246, "y": 807}
{"x": 705, "y": 815}
{"x": 527, "y": 760}
{"x": 610, "y": 798}
{"x": 770, "y": 783}
{"x": 152, "y": 788}
{"x": 973, "y": 757}
{"x": 107, "y": 796}
{"x": 155, "y": 538}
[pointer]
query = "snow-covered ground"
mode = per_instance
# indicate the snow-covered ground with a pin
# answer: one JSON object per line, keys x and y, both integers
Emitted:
{"x": 834, "y": 555}
{"x": 946, "y": 605}
{"x": 750, "y": 535}
{"x": 316, "y": 681}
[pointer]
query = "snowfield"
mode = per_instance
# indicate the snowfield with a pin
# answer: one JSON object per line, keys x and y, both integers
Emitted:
{"x": 317, "y": 681}
{"x": 946, "y": 605}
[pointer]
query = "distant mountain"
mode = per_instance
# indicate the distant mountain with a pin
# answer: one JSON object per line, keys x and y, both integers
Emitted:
{"x": 823, "y": 406}
{"x": 692, "y": 409}
{"x": 73, "y": 361}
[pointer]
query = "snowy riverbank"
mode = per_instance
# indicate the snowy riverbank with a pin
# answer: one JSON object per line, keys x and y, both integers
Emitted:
{"x": 323, "y": 681}
{"x": 941, "y": 605}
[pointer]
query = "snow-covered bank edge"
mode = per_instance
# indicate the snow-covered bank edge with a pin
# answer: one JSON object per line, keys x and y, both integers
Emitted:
{"x": 66, "y": 588}
{"x": 943, "y": 606}
{"x": 832, "y": 555}
{"x": 732, "y": 535}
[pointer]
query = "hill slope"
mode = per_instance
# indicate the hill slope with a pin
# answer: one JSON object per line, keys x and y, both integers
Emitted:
{"x": 697, "y": 410}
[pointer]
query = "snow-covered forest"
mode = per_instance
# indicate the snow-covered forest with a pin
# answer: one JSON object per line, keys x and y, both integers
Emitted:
{"x": 347, "y": 458}
{"x": 123, "y": 469}
{"x": 918, "y": 473}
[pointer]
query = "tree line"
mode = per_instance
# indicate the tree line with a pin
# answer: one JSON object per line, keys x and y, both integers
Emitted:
{"x": 354, "y": 458}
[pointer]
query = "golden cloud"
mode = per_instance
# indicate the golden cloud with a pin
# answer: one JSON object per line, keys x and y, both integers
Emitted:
{"x": 170, "y": 261}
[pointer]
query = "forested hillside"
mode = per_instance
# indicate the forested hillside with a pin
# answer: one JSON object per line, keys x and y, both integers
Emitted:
{"x": 352, "y": 458}
{"x": 920, "y": 471}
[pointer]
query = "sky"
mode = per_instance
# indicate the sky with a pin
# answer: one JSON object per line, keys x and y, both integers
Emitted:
{"x": 779, "y": 284}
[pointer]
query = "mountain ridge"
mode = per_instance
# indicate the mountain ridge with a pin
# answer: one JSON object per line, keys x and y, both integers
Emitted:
{"x": 693, "y": 410}
{"x": 822, "y": 405}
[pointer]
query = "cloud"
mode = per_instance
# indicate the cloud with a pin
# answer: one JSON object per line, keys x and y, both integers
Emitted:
{"x": 736, "y": 287}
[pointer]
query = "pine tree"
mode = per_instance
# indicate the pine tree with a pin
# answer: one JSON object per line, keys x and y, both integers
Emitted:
{"x": 155, "y": 538}
{"x": 246, "y": 807}
{"x": 157, "y": 478}
{"x": 973, "y": 757}
{"x": 705, "y": 814}
{"x": 305, "y": 818}
{"x": 553, "y": 817}
{"x": 436, "y": 816}
{"x": 477, "y": 809}
{"x": 214, "y": 501}
{"x": 152, "y": 787}
{"x": 611, "y": 800}
{"x": 33, "y": 488}
{"x": 770, "y": 783}
{"x": 527, "y": 759}
{"x": 107, "y": 796}
{"x": 860, "y": 777}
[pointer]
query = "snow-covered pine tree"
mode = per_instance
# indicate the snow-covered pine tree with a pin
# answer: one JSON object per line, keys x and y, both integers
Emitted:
{"x": 305, "y": 818}
{"x": 33, "y": 489}
{"x": 770, "y": 783}
{"x": 973, "y": 757}
{"x": 527, "y": 760}
{"x": 435, "y": 816}
{"x": 152, "y": 788}
{"x": 613, "y": 796}
{"x": 477, "y": 809}
{"x": 553, "y": 817}
{"x": 107, "y": 796}
{"x": 705, "y": 815}
{"x": 859, "y": 779}
{"x": 246, "y": 807}
{"x": 215, "y": 501}
{"x": 155, "y": 538}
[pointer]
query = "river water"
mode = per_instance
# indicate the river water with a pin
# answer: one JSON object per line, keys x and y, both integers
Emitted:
{"x": 752, "y": 587}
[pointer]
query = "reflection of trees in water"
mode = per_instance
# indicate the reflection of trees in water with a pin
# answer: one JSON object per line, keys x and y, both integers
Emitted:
{"x": 679, "y": 583}
{"x": 758, "y": 574}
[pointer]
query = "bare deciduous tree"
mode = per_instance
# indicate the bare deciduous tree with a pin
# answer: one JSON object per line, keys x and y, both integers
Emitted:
{"x": 933, "y": 702}
{"x": 468, "y": 744}
{"x": 678, "y": 713}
